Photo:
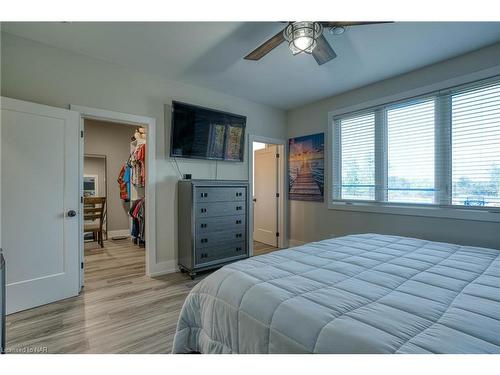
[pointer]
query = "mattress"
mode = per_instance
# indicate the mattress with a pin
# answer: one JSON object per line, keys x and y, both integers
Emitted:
{"x": 364, "y": 293}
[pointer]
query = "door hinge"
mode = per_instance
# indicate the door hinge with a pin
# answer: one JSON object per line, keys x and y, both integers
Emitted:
{"x": 277, "y": 155}
{"x": 81, "y": 265}
{"x": 277, "y": 234}
{"x": 277, "y": 195}
{"x": 81, "y": 133}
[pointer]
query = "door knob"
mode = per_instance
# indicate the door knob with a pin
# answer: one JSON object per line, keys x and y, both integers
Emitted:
{"x": 71, "y": 213}
{"x": 255, "y": 199}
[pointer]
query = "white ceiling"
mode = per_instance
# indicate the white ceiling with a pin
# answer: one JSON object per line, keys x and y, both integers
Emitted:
{"x": 210, "y": 54}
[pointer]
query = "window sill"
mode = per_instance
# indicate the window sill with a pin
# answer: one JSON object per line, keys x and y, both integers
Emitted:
{"x": 491, "y": 215}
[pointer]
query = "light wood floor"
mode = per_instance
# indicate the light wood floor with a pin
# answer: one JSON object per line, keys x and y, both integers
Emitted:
{"x": 260, "y": 248}
{"x": 119, "y": 311}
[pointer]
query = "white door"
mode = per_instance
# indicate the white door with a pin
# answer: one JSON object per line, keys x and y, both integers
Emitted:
{"x": 265, "y": 188}
{"x": 39, "y": 203}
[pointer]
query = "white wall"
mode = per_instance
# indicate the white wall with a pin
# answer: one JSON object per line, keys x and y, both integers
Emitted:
{"x": 39, "y": 73}
{"x": 311, "y": 221}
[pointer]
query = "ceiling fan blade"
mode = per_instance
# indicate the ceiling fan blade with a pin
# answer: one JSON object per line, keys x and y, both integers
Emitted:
{"x": 323, "y": 52}
{"x": 266, "y": 47}
{"x": 347, "y": 23}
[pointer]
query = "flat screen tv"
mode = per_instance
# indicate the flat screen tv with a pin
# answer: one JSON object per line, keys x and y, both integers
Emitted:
{"x": 202, "y": 133}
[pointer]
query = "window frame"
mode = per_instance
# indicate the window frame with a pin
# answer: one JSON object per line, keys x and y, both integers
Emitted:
{"x": 443, "y": 160}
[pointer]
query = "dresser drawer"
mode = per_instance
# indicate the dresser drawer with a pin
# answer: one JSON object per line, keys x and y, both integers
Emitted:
{"x": 220, "y": 224}
{"x": 219, "y": 194}
{"x": 212, "y": 254}
{"x": 218, "y": 239}
{"x": 219, "y": 209}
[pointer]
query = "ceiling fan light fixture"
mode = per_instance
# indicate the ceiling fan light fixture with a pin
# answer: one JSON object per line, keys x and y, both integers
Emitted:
{"x": 302, "y": 35}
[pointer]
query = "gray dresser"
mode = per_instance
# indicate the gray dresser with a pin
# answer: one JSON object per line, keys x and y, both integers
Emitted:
{"x": 213, "y": 223}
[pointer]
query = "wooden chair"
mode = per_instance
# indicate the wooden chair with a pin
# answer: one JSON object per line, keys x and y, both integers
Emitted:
{"x": 94, "y": 208}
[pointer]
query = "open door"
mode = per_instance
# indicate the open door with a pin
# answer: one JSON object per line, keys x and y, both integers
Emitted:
{"x": 265, "y": 189}
{"x": 39, "y": 203}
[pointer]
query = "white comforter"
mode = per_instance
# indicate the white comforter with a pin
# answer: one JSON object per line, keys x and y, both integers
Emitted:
{"x": 356, "y": 294}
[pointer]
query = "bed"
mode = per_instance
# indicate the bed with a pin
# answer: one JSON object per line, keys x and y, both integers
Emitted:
{"x": 365, "y": 293}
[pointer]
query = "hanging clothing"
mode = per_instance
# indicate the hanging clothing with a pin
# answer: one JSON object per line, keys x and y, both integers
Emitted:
{"x": 141, "y": 160}
{"x": 124, "y": 182}
{"x": 127, "y": 180}
{"x": 138, "y": 165}
{"x": 135, "y": 173}
{"x": 138, "y": 213}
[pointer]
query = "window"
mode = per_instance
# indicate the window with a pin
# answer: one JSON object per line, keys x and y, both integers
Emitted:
{"x": 358, "y": 152}
{"x": 476, "y": 147}
{"x": 410, "y": 153}
{"x": 442, "y": 149}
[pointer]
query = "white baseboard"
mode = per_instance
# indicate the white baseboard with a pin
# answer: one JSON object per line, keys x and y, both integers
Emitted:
{"x": 118, "y": 233}
{"x": 163, "y": 268}
{"x": 293, "y": 243}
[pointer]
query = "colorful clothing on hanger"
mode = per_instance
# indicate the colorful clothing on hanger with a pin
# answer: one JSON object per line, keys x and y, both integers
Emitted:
{"x": 138, "y": 213}
{"x": 138, "y": 164}
{"x": 124, "y": 182}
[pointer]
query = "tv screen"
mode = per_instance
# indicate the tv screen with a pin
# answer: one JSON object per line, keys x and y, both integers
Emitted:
{"x": 203, "y": 133}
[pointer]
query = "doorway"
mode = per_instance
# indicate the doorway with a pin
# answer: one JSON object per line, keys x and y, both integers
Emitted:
{"x": 114, "y": 220}
{"x": 268, "y": 192}
{"x": 118, "y": 230}
{"x": 46, "y": 263}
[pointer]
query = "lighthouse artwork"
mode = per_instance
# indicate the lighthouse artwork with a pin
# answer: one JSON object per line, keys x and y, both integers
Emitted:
{"x": 306, "y": 168}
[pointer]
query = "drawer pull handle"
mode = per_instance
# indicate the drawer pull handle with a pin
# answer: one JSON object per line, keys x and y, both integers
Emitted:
{"x": 204, "y": 195}
{"x": 238, "y": 221}
{"x": 238, "y": 235}
{"x": 204, "y": 240}
{"x": 203, "y": 225}
{"x": 239, "y": 208}
{"x": 203, "y": 210}
{"x": 238, "y": 249}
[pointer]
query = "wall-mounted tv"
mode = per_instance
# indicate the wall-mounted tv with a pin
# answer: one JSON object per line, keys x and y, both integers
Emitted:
{"x": 203, "y": 133}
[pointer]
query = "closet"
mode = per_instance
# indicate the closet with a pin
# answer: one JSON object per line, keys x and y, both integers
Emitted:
{"x": 132, "y": 181}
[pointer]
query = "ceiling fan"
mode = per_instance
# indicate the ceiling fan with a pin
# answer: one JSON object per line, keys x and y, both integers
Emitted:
{"x": 307, "y": 37}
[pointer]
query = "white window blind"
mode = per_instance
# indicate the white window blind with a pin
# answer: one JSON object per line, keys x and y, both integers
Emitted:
{"x": 476, "y": 147}
{"x": 439, "y": 149}
{"x": 410, "y": 153}
{"x": 358, "y": 154}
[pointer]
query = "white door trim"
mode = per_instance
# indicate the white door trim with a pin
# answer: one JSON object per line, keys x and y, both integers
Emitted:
{"x": 152, "y": 268}
{"x": 282, "y": 183}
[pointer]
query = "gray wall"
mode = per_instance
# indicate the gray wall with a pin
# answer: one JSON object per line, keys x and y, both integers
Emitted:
{"x": 311, "y": 221}
{"x": 113, "y": 141}
{"x": 39, "y": 73}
